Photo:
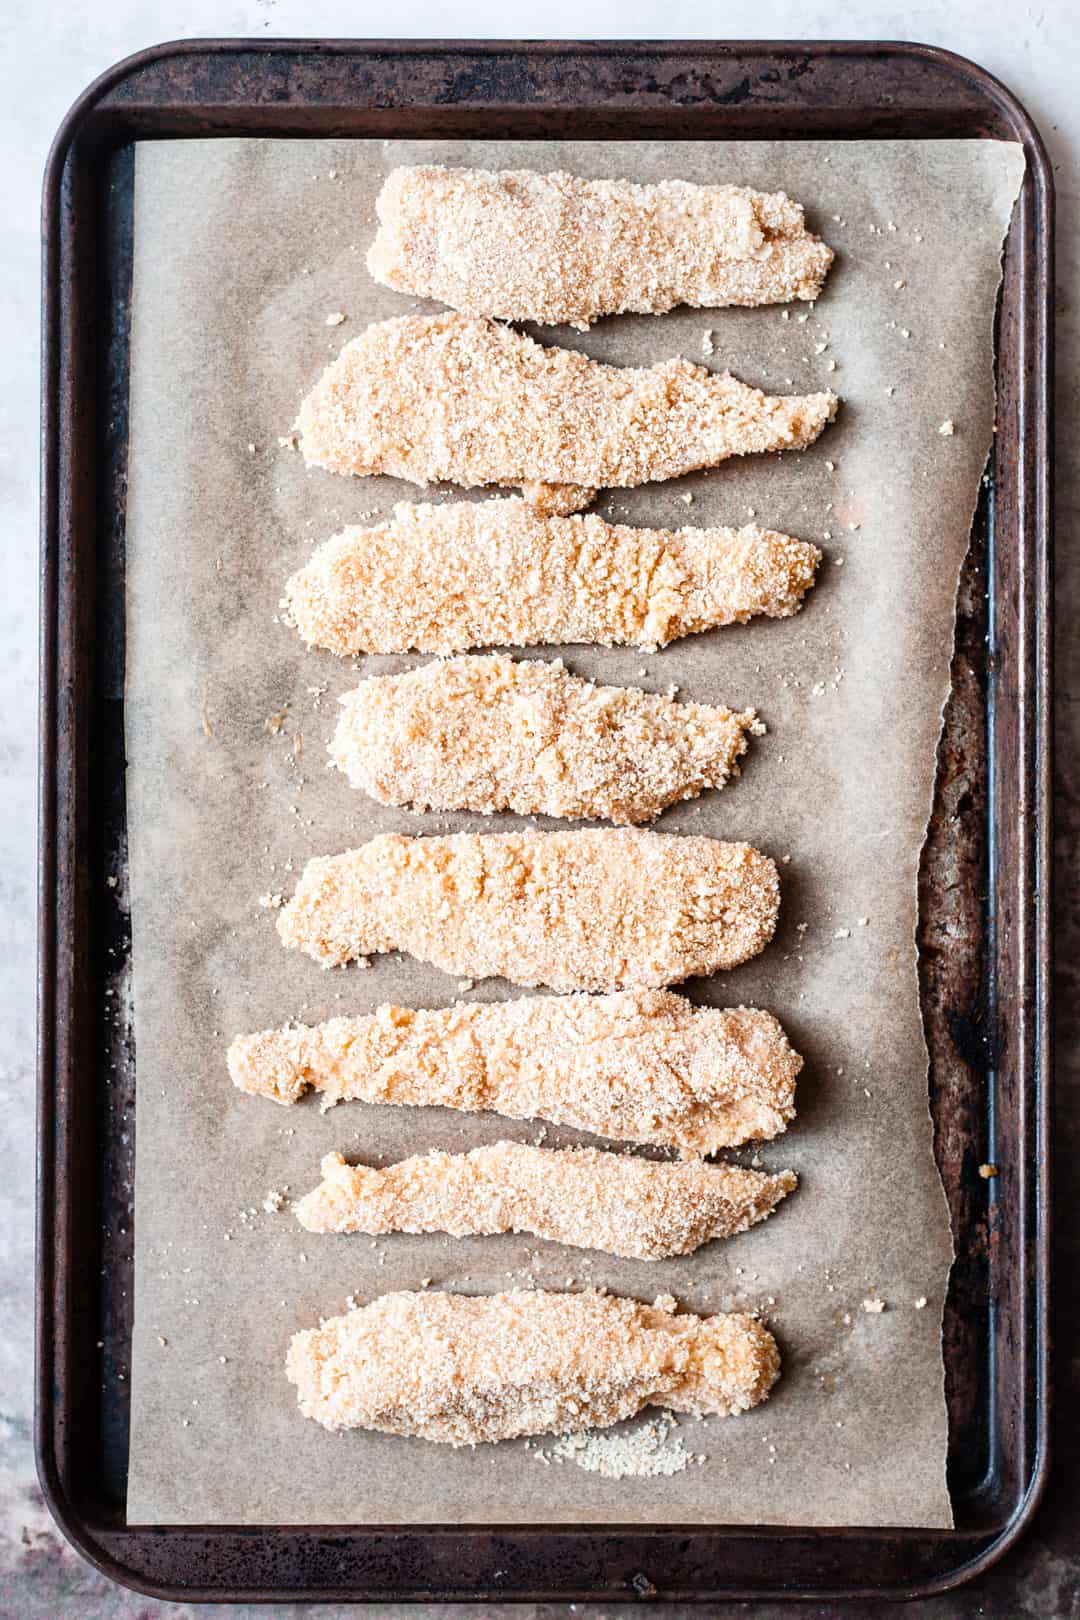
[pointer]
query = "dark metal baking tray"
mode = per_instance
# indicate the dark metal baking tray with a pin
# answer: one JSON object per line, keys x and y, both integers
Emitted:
{"x": 984, "y": 929}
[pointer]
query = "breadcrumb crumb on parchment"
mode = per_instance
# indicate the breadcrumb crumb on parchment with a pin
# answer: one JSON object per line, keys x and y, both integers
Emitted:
{"x": 495, "y": 573}
{"x": 646, "y": 1451}
{"x": 641, "y": 1209}
{"x": 591, "y": 910}
{"x": 466, "y": 1369}
{"x": 489, "y": 734}
{"x": 557, "y": 248}
{"x": 637, "y": 1066}
{"x": 436, "y": 397}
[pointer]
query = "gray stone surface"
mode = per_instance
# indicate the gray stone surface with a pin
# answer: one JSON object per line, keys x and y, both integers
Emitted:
{"x": 52, "y": 51}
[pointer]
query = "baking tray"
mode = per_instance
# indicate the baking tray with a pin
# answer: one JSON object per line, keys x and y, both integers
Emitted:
{"x": 984, "y": 901}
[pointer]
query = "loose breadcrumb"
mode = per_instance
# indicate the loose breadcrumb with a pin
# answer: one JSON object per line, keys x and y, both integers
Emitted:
{"x": 641, "y": 1209}
{"x": 463, "y": 1369}
{"x": 636, "y": 1066}
{"x": 555, "y": 248}
{"x": 556, "y": 500}
{"x": 648, "y": 1451}
{"x": 593, "y": 910}
{"x": 495, "y": 573}
{"x": 446, "y": 397}
{"x": 490, "y": 734}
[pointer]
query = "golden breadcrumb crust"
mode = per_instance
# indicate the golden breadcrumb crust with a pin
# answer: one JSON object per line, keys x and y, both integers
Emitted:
{"x": 465, "y": 1369}
{"x": 496, "y": 574}
{"x": 641, "y": 1209}
{"x": 555, "y": 248}
{"x": 593, "y": 910}
{"x": 495, "y": 733}
{"x": 447, "y": 397}
{"x": 637, "y": 1066}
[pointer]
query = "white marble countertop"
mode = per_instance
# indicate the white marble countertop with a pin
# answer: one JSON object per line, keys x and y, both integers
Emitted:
{"x": 53, "y": 51}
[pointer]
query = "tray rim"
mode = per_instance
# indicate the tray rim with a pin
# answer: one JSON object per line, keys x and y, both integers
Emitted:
{"x": 78, "y": 1529}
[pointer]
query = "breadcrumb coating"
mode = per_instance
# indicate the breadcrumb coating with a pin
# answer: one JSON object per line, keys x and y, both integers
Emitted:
{"x": 637, "y": 1066}
{"x": 556, "y": 500}
{"x": 442, "y": 579}
{"x": 594, "y": 910}
{"x": 555, "y": 248}
{"x": 465, "y": 1369}
{"x": 445, "y": 397}
{"x": 490, "y": 734}
{"x": 640, "y": 1209}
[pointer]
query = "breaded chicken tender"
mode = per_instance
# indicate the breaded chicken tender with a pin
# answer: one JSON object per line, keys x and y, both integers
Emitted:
{"x": 442, "y": 579}
{"x": 640, "y": 1209}
{"x": 593, "y": 910}
{"x": 637, "y": 1066}
{"x": 493, "y": 733}
{"x": 555, "y": 248}
{"x": 445, "y": 397}
{"x": 464, "y": 1369}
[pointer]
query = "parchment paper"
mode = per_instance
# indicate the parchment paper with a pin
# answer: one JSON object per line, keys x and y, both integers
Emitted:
{"x": 243, "y": 248}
